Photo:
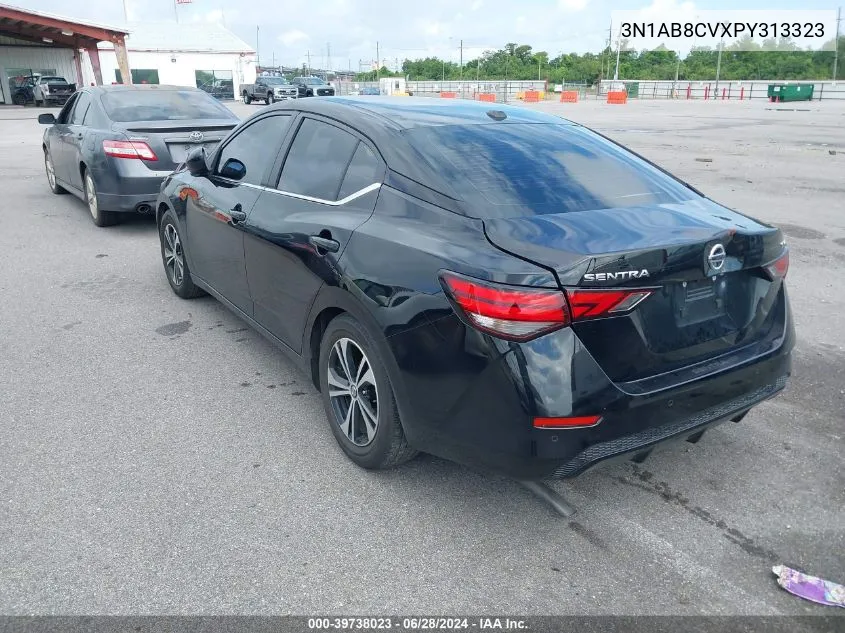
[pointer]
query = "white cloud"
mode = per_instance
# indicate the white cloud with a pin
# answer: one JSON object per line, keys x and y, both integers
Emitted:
{"x": 574, "y": 5}
{"x": 289, "y": 38}
{"x": 476, "y": 5}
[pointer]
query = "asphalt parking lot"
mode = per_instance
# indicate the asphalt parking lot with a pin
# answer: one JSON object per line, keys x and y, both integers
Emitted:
{"x": 158, "y": 456}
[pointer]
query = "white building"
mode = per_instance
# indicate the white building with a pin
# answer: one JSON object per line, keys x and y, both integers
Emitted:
{"x": 191, "y": 54}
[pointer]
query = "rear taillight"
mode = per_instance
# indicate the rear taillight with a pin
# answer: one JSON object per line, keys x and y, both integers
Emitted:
{"x": 595, "y": 304}
{"x": 521, "y": 313}
{"x": 778, "y": 268}
{"x": 129, "y": 149}
{"x": 511, "y": 312}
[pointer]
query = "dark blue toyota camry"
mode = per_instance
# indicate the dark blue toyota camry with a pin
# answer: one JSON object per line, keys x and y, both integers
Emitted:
{"x": 489, "y": 284}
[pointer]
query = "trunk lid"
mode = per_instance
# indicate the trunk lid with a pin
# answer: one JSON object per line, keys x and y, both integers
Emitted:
{"x": 172, "y": 140}
{"x": 704, "y": 263}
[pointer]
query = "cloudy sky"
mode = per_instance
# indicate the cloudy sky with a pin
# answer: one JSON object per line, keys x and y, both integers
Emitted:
{"x": 289, "y": 29}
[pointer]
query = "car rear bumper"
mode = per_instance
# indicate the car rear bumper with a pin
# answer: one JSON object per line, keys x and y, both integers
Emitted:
{"x": 128, "y": 186}
{"x": 472, "y": 399}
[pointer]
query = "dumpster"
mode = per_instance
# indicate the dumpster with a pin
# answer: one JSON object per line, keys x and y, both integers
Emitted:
{"x": 787, "y": 92}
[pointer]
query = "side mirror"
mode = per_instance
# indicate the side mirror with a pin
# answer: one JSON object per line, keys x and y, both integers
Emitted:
{"x": 46, "y": 119}
{"x": 196, "y": 162}
{"x": 233, "y": 169}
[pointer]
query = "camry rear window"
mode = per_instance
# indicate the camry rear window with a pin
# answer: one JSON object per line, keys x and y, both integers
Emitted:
{"x": 513, "y": 169}
{"x": 162, "y": 105}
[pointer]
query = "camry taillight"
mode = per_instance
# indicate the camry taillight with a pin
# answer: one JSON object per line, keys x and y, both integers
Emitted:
{"x": 521, "y": 313}
{"x": 129, "y": 149}
{"x": 778, "y": 268}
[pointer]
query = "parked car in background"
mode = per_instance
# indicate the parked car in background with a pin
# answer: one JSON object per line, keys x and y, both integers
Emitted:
{"x": 270, "y": 89}
{"x": 370, "y": 91}
{"x": 313, "y": 87}
{"x": 219, "y": 88}
{"x": 111, "y": 146}
{"x": 52, "y": 91}
{"x": 489, "y": 284}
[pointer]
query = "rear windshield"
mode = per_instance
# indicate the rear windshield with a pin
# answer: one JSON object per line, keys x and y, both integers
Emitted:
{"x": 514, "y": 169}
{"x": 54, "y": 80}
{"x": 163, "y": 105}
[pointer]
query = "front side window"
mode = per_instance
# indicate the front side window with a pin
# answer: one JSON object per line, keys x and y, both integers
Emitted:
{"x": 257, "y": 146}
{"x": 317, "y": 160}
{"x": 64, "y": 115}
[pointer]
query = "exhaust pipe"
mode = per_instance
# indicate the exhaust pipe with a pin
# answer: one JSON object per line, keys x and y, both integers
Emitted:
{"x": 143, "y": 208}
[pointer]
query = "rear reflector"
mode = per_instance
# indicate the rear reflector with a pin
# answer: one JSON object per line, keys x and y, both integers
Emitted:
{"x": 129, "y": 149}
{"x": 567, "y": 423}
{"x": 778, "y": 268}
{"x": 510, "y": 312}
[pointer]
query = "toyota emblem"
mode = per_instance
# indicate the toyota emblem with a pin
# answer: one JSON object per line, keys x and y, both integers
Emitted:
{"x": 716, "y": 258}
{"x": 196, "y": 137}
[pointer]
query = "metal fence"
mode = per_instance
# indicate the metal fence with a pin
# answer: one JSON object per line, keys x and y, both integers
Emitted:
{"x": 717, "y": 90}
{"x": 504, "y": 91}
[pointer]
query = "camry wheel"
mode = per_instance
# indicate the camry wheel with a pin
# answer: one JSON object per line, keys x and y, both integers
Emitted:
{"x": 98, "y": 215}
{"x": 51, "y": 174}
{"x": 173, "y": 258}
{"x": 359, "y": 399}
{"x": 247, "y": 98}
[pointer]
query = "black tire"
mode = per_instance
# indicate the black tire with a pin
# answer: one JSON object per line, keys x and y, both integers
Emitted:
{"x": 19, "y": 100}
{"x": 98, "y": 215}
{"x": 183, "y": 286}
{"x": 388, "y": 446}
{"x": 247, "y": 98}
{"x": 269, "y": 99}
{"x": 51, "y": 180}
{"x": 39, "y": 104}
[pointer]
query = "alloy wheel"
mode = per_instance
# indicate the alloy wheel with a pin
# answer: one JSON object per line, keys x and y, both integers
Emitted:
{"x": 91, "y": 195}
{"x": 51, "y": 171}
{"x": 174, "y": 257}
{"x": 353, "y": 392}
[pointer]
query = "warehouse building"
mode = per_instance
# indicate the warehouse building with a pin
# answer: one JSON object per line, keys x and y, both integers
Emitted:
{"x": 204, "y": 55}
{"x": 35, "y": 44}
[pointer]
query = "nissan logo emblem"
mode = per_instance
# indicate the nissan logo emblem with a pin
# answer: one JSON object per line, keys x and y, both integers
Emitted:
{"x": 196, "y": 137}
{"x": 716, "y": 258}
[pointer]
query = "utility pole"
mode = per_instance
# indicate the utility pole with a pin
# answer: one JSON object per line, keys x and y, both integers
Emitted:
{"x": 609, "y": 39}
{"x": 125, "y": 12}
{"x": 618, "y": 48}
{"x": 836, "y": 43}
{"x": 462, "y": 60}
{"x": 719, "y": 64}
{"x": 309, "y": 61}
{"x": 258, "y": 46}
{"x": 378, "y": 64}
{"x": 175, "y": 11}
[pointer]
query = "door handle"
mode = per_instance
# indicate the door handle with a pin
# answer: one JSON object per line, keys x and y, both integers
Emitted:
{"x": 237, "y": 214}
{"x": 79, "y": 136}
{"x": 324, "y": 243}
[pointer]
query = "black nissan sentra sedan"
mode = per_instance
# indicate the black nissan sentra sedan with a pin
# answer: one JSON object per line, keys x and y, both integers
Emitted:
{"x": 112, "y": 146}
{"x": 489, "y": 284}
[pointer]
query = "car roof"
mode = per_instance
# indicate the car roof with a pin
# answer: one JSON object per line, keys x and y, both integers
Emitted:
{"x": 134, "y": 87}
{"x": 386, "y": 121}
{"x": 401, "y": 113}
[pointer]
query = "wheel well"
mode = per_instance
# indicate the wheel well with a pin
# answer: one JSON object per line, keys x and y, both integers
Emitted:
{"x": 160, "y": 211}
{"x": 320, "y": 324}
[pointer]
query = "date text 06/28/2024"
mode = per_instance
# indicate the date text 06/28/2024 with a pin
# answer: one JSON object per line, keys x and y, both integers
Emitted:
{"x": 416, "y": 624}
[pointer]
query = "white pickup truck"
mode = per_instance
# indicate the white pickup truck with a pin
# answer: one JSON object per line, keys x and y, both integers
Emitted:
{"x": 49, "y": 90}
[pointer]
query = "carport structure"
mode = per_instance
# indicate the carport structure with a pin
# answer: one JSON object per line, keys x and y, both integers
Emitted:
{"x": 45, "y": 29}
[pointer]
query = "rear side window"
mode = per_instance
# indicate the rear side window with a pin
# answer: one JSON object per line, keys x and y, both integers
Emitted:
{"x": 163, "y": 105}
{"x": 317, "y": 160}
{"x": 515, "y": 169}
{"x": 80, "y": 109}
{"x": 364, "y": 170}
